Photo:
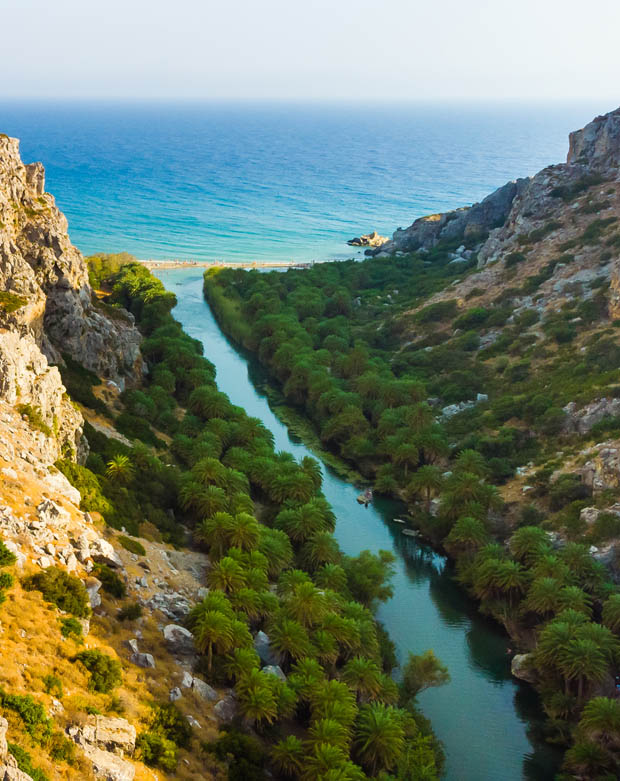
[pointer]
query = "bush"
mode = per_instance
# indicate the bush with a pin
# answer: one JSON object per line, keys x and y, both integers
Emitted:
{"x": 6, "y": 556}
{"x": 35, "y": 418}
{"x": 24, "y": 763}
{"x": 243, "y": 753}
{"x": 71, "y": 627}
{"x": 435, "y": 313}
{"x": 62, "y": 589}
{"x": 566, "y": 489}
{"x": 105, "y": 672}
{"x": 87, "y": 484}
{"x": 110, "y": 581}
{"x": 52, "y": 685}
{"x": 130, "y": 612}
{"x": 157, "y": 751}
{"x": 79, "y": 383}
{"x": 473, "y": 318}
{"x": 132, "y": 545}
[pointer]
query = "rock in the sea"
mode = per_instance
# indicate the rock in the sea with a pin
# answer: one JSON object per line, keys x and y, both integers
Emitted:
{"x": 179, "y": 640}
{"x": 521, "y": 667}
{"x": 368, "y": 240}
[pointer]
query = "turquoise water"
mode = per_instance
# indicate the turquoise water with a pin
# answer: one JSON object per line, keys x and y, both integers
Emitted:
{"x": 242, "y": 182}
{"x": 488, "y": 722}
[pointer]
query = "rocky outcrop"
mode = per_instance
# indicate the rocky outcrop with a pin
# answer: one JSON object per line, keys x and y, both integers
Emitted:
{"x": 583, "y": 419}
{"x": 46, "y": 279}
{"x": 8, "y": 764}
{"x": 521, "y": 667}
{"x": 470, "y": 222}
{"x": 368, "y": 240}
{"x": 597, "y": 145}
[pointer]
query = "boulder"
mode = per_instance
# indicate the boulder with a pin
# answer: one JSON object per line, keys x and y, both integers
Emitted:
{"x": 262, "y": 647}
{"x": 203, "y": 690}
{"x": 107, "y": 766}
{"x": 521, "y": 668}
{"x": 226, "y": 709}
{"x": 103, "y": 552}
{"x": 186, "y": 680}
{"x": 4, "y": 725}
{"x": 143, "y": 660}
{"x": 175, "y": 694}
{"x": 274, "y": 669}
{"x": 52, "y": 514}
{"x": 179, "y": 640}
{"x": 107, "y": 733}
{"x": 92, "y": 588}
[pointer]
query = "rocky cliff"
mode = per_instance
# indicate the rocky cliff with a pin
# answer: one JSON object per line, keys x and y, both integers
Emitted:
{"x": 47, "y": 307}
{"x": 520, "y": 206}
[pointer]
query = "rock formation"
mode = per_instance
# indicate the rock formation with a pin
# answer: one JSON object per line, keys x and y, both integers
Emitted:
{"x": 47, "y": 308}
{"x": 368, "y": 240}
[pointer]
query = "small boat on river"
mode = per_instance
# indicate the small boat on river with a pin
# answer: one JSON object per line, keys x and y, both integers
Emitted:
{"x": 365, "y": 498}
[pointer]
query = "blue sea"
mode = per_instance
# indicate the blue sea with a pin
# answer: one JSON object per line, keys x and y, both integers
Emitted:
{"x": 243, "y": 182}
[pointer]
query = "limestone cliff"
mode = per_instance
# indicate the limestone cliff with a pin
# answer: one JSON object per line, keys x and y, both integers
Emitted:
{"x": 47, "y": 307}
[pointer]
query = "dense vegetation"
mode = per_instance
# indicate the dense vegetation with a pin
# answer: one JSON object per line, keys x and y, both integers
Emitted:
{"x": 354, "y": 347}
{"x": 276, "y": 567}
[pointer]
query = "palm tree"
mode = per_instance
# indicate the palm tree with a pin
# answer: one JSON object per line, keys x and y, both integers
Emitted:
{"x": 466, "y": 537}
{"x": 244, "y": 532}
{"x": 312, "y": 468}
{"x": 406, "y": 455}
{"x": 583, "y": 661}
{"x": 611, "y": 613}
{"x": 588, "y": 760}
{"x": 332, "y": 699}
{"x": 306, "y": 673}
{"x": 329, "y": 731}
{"x": 226, "y": 575}
{"x": 379, "y": 737}
{"x": 306, "y": 604}
{"x": 331, "y": 576}
{"x": 289, "y": 639}
{"x": 248, "y": 601}
{"x": 528, "y": 543}
{"x": 512, "y": 580}
{"x": 301, "y": 523}
{"x": 325, "y": 647}
{"x": 543, "y": 597}
{"x": 423, "y": 671}
{"x": 276, "y": 547}
{"x": 364, "y": 677}
{"x": 213, "y": 629}
{"x": 241, "y": 662}
{"x": 209, "y": 500}
{"x": 419, "y": 417}
{"x": 428, "y": 481}
{"x": 600, "y": 721}
{"x": 120, "y": 469}
{"x": 214, "y": 532}
{"x": 323, "y": 759}
{"x": 573, "y": 598}
{"x": 549, "y": 566}
{"x": 255, "y": 697}
{"x": 288, "y": 755}
{"x": 471, "y": 461}
{"x": 321, "y": 548}
{"x": 209, "y": 471}
{"x": 290, "y": 579}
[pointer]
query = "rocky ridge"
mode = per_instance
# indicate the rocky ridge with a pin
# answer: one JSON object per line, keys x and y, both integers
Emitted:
{"x": 47, "y": 307}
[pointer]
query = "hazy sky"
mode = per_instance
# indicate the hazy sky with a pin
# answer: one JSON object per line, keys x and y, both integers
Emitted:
{"x": 311, "y": 49}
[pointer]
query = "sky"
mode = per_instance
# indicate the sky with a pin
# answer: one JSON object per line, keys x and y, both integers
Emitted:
{"x": 359, "y": 50}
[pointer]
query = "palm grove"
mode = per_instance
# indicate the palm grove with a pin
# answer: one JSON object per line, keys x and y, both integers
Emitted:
{"x": 353, "y": 347}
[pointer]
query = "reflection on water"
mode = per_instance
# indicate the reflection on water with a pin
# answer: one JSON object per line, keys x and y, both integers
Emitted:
{"x": 490, "y": 724}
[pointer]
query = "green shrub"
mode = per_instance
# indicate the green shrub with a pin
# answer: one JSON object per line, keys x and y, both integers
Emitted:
{"x": 7, "y": 558}
{"x": 10, "y": 302}
{"x": 566, "y": 489}
{"x": 87, "y": 484}
{"x": 6, "y": 580}
{"x": 105, "y": 672}
{"x": 605, "y": 527}
{"x": 24, "y": 763}
{"x": 157, "y": 751}
{"x": 473, "y": 318}
{"x": 434, "y": 313}
{"x": 79, "y": 383}
{"x": 62, "y": 589}
{"x": 31, "y": 712}
{"x": 71, "y": 627}
{"x": 111, "y": 583}
{"x": 132, "y": 545}
{"x": 35, "y": 418}
{"x": 52, "y": 685}
{"x": 513, "y": 258}
{"x": 130, "y": 612}
{"x": 243, "y": 754}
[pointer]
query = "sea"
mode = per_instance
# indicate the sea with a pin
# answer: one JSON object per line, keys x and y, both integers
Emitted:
{"x": 275, "y": 182}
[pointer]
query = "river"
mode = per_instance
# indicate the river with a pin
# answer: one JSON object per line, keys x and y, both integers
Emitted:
{"x": 489, "y": 723}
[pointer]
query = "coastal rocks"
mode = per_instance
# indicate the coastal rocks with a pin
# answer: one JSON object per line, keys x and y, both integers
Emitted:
{"x": 521, "y": 667}
{"x": 582, "y": 420}
{"x": 597, "y": 145}
{"x": 368, "y": 240}
{"x": 179, "y": 640}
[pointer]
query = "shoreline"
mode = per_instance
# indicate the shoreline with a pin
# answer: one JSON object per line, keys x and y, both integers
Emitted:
{"x": 256, "y": 264}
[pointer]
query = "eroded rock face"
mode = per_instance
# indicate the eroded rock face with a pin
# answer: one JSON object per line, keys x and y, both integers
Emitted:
{"x": 521, "y": 668}
{"x": 597, "y": 144}
{"x": 48, "y": 279}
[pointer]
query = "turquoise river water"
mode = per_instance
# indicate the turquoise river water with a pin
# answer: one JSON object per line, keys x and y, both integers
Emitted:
{"x": 488, "y": 722}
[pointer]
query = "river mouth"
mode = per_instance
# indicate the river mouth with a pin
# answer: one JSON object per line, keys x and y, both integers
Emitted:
{"x": 490, "y": 724}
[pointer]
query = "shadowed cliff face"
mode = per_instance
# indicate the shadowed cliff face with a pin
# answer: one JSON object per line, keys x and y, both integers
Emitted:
{"x": 46, "y": 306}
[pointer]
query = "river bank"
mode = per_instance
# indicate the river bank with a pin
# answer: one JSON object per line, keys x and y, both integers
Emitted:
{"x": 483, "y": 705}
